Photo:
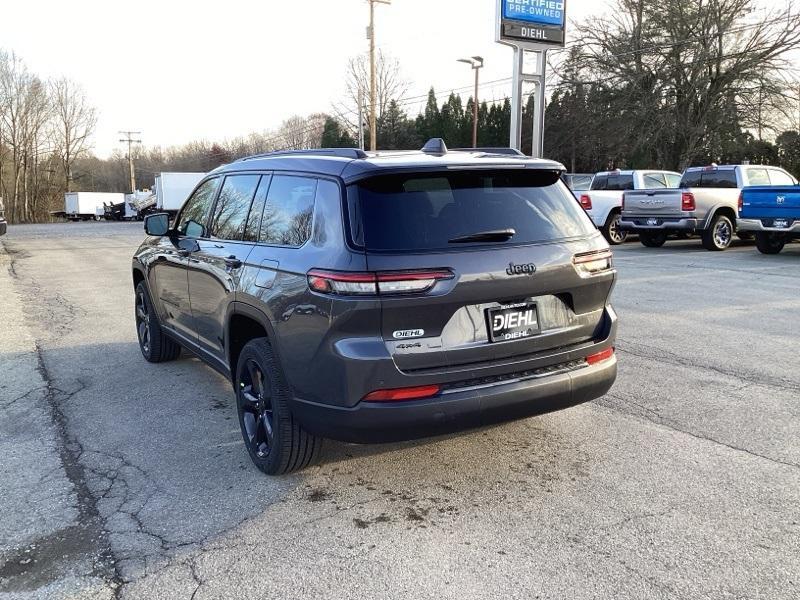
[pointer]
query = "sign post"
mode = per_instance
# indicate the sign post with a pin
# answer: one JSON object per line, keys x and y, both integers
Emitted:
{"x": 530, "y": 26}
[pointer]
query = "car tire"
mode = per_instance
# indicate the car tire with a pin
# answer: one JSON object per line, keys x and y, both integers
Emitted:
{"x": 770, "y": 243}
{"x": 156, "y": 347}
{"x": 276, "y": 442}
{"x": 611, "y": 230}
{"x": 652, "y": 239}
{"x": 719, "y": 234}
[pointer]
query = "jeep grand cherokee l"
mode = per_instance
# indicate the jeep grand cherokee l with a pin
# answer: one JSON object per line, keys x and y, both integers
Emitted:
{"x": 381, "y": 297}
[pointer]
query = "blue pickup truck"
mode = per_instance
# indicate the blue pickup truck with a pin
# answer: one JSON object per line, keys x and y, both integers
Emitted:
{"x": 772, "y": 214}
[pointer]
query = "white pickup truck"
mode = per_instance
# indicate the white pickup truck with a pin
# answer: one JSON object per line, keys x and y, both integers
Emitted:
{"x": 706, "y": 203}
{"x": 603, "y": 201}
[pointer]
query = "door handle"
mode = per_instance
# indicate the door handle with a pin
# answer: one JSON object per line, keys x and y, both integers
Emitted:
{"x": 233, "y": 262}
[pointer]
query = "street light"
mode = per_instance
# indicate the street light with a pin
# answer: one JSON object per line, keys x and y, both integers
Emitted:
{"x": 476, "y": 62}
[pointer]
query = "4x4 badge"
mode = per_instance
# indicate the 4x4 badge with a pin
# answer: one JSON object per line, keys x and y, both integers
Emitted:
{"x": 526, "y": 269}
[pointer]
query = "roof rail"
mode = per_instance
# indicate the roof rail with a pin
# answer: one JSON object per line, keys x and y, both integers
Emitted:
{"x": 353, "y": 153}
{"x": 507, "y": 151}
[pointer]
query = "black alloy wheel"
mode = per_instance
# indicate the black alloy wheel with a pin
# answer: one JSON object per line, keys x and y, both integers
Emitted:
{"x": 255, "y": 410}
{"x": 143, "y": 322}
{"x": 275, "y": 440}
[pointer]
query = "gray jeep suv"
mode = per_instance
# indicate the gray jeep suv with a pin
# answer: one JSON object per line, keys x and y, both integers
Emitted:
{"x": 381, "y": 297}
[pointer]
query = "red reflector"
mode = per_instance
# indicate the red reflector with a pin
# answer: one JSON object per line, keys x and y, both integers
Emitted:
{"x": 409, "y": 393}
{"x": 599, "y": 357}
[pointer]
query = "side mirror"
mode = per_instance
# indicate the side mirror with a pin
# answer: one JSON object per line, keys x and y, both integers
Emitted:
{"x": 157, "y": 224}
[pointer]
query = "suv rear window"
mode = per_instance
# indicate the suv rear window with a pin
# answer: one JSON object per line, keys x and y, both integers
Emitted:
{"x": 709, "y": 179}
{"x": 420, "y": 212}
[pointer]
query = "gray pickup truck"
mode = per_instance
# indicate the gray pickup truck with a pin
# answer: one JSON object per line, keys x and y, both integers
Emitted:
{"x": 706, "y": 203}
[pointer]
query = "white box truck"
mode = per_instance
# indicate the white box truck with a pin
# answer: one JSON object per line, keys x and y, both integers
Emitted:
{"x": 172, "y": 189}
{"x": 82, "y": 206}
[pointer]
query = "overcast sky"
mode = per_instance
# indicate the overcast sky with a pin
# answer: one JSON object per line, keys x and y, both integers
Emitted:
{"x": 180, "y": 71}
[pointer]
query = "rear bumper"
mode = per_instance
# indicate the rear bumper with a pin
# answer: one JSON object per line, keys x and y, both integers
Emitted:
{"x": 374, "y": 422}
{"x": 758, "y": 225}
{"x": 662, "y": 223}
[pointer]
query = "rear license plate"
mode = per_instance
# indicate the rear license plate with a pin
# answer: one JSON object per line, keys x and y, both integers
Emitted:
{"x": 652, "y": 221}
{"x": 780, "y": 223}
{"x": 513, "y": 322}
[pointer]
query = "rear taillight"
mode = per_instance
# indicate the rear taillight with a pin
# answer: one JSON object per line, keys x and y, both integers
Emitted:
{"x": 586, "y": 202}
{"x": 343, "y": 283}
{"x": 601, "y": 356}
{"x": 588, "y": 264}
{"x": 623, "y": 201}
{"x": 687, "y": 201}
{"x": 346, "y": 284}
{"x": 401, "y": 394}
{"x": 741, "y": 202}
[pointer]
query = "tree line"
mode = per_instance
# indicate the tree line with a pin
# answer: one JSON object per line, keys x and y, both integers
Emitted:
{"x": 45, "y": 127}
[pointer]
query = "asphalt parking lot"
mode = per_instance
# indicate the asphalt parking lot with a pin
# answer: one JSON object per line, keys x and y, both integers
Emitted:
{"x": 125, "y": 479}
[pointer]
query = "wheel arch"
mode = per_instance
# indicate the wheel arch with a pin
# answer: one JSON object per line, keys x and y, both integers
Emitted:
{"x": 606, "y": 209}
{"x": 245, "y": 322}
{"x": 138, "y": 276}
{"x": 720, "y": 209}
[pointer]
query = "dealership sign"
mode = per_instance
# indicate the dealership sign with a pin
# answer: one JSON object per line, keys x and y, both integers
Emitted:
{"x": 532, "y": 22}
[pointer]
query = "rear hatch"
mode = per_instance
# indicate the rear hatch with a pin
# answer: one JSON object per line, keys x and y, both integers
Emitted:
{"x": 498, "y": 246}
{"x": 781, "y": 203}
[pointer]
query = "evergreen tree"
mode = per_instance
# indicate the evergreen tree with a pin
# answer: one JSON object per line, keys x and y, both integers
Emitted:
{"x": 335, "y": 136}
{"x": 428, "y": 124}
{"x": 395, "y": 131}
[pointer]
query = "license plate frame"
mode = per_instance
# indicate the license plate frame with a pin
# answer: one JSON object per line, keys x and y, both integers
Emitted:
{"x": 780, "y": 223}
{"x": 652, "y": 222}
{"x": 516, "y": 322}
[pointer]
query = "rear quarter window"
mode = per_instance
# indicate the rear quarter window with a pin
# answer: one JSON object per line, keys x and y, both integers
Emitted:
{"x": 423, "y": 212}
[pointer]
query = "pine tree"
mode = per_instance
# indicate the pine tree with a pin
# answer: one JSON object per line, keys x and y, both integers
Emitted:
{"x": 335, "y": 136}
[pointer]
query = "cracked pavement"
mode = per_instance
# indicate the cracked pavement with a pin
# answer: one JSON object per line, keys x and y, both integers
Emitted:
{"x": 123, "y": 479}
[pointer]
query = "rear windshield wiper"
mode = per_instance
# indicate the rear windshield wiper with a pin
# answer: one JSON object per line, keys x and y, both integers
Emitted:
{"x": 498, "y": 235}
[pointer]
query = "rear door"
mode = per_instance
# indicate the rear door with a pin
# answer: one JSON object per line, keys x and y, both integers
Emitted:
{"x": 505, "y": 298}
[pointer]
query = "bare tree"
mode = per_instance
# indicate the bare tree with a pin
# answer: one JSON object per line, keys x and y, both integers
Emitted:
{"x": 24, "y": 111}
{"x": 389, "y": 83}
{"x": 299, "y": 133}
{"x": 73, "y": 124}
{"x": 686, "y": 69}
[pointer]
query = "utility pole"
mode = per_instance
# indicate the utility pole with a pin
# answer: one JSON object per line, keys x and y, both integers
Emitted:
{"x": 476, "y": 62}
{"x": 373, "y": 92}
{"x": 130, "y": 141}
{"x": 360, "y": 118}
